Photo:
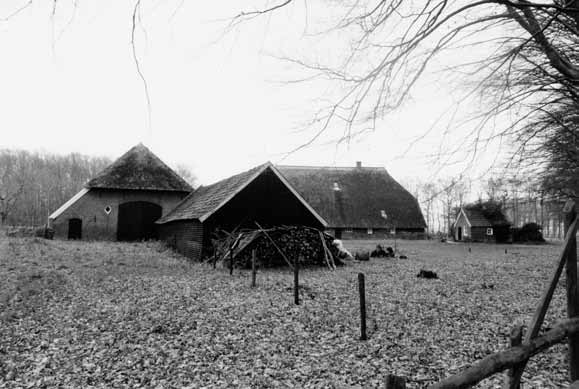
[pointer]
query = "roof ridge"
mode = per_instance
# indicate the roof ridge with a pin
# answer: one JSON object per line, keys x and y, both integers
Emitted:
{"x": 331, "y": 167}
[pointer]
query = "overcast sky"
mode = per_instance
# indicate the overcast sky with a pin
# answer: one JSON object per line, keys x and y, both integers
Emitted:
{"x": 68, "y": 83}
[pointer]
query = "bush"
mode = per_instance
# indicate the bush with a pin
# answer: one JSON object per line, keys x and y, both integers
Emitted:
{"x": 530, "y": 232}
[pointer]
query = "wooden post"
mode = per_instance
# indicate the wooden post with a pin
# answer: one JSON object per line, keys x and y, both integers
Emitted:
{"x": 395, "y": 382}
{"x": 231, "y": 261}
{"x": 515, "y": 338}
{"x": 253, "y": 268}
{"x": 362, "y": 290}
{"x": 296, "y": 281}
{"x": 541, "y": 311}
{"x": 571, "y": 281}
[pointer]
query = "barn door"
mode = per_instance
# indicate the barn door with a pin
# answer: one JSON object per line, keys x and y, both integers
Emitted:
{"x": 75, "y": 228}
{"x": 137, "y": 220}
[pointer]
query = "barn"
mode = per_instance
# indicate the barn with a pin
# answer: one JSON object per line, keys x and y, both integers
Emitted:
{"x": 358, "y": 202}
{"x": 123, "y": 201}
{"x": 261, "y": 195}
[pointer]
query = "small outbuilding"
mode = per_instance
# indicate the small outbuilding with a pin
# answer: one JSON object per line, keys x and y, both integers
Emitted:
{"x": 476, "y": 224}
{"x": 123, "y": 201}
{"x": 260, "y": 196}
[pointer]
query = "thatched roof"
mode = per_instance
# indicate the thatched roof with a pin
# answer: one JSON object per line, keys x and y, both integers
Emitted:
{"x": 206, "y": 200}
{"x": 356, "y": 197}
{"x": 476, "y": 218}
{"x": 139, "y": 169}
{"x": 485, "y": 214}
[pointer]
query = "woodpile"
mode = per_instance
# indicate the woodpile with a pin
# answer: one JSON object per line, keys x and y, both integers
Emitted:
{"x": 278, "y": 246}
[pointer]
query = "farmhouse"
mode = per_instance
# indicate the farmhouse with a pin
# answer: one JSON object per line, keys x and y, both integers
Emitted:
{"x": 123, "y": 201}
{"x": 475, "y": 224}
{"x": 260, "y": 195}
{"x": 358, "y": 202}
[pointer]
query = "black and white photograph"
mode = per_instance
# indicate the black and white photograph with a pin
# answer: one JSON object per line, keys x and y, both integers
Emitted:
{"x": 289, "y": 194}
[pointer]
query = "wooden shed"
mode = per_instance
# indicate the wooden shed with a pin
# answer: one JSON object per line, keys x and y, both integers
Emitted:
{"x": 259, "y": 195}
{"x": 477, "y": 223}
{"x": 472, "y": 226}
{"x": 123, "y": 201}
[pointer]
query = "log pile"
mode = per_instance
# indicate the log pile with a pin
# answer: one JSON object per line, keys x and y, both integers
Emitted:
{"x": 278, "y": 246}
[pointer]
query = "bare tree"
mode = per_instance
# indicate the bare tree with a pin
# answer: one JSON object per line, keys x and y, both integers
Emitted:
{"x": 520, "y": 55}
{"x": 427, "y": 193}
{"x": 12, "y": 182}
{"x": 452, "y": 194}
{"x": 187, "y": 174}
{"x": 34, "y": 184}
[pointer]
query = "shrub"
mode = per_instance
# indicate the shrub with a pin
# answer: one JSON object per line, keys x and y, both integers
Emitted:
{"x": 530, "y": 232}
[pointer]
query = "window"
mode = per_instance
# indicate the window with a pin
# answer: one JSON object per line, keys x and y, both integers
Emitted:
{"x": 370, "y": 231}
{"x": 349, "y": 230}
{"x": 489, "y": 231}
{"x": 108, "y": 210}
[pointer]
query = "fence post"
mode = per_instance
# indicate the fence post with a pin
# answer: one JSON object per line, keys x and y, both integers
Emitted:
{"x": 296, "y": 280}
{"x": 362, "y": 291}
{"x": 571, "y": 281}
{"x": 395, "y": 382}
{"x": 515, "y": 338}
{"x": 253, "y": 269}
{"x": 230, "y": 261}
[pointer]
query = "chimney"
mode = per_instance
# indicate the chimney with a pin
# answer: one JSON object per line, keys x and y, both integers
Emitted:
{"x": 358, "y": 164}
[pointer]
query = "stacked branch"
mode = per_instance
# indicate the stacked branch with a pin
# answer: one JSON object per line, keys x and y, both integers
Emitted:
{"x": 278, "y": 246}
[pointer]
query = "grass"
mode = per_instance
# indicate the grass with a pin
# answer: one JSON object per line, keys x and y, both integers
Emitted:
{"x": 99, "y": 314}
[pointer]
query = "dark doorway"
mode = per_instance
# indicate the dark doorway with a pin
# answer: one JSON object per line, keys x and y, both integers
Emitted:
{"x": 459, "y": 233}
{"x": 137, "y": 220}
{"x": 75, "y": 229}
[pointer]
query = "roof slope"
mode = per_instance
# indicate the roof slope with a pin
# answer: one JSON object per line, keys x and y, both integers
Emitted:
{"x": 485, "y": 214}
{"x": 207, "y": 199}
{"x": 355, "y": 197}
{"x": 140, "y": 169}
{"x": 476, "y": 218}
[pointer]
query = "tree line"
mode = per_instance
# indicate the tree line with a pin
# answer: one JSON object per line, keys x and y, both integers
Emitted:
{"x": 34, "y": 184}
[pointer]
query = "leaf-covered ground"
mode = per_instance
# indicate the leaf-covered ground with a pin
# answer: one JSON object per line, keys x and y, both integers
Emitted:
{"x": 106, "y": 315}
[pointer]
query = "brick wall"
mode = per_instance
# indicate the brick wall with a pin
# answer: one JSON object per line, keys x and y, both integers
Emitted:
{"x": 185, "y": 236}
{"x": 96, "y": 223}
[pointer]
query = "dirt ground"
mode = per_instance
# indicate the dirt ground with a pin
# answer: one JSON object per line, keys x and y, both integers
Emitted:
{"x": 90, "y": 314}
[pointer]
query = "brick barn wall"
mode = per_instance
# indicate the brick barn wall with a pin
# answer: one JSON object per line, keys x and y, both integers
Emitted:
{"x": 96, "y": 224}
{"x": 184, "y": 236}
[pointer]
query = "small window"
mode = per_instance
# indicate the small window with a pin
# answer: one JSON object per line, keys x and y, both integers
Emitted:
{"x": 370, "y": 231}
{"x": 108, "y": 210}
{"x": 349, "y": 230}
{"x": 489, "y": 231}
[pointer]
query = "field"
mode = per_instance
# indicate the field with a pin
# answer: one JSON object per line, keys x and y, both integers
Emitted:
{"x": 87, "y": 314}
